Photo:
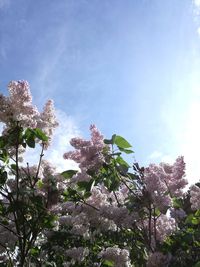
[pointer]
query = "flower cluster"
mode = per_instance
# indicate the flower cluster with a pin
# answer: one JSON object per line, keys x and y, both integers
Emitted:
{"x": 164, "y": 182}
{"x": 195, "y": 197}
{"x": 102, "y": 215}
{"x": 120, "y": 257}
{"x": 88, "y": 153}
{"x": 18, "y": 108}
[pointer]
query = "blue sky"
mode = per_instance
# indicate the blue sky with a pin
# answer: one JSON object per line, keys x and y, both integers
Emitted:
{"x": 129, "y": 66}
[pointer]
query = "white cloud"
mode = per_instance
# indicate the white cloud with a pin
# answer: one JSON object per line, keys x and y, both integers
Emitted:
{"x": 60, "y": 144}
{"x": 198, "y": 30}
{"x": 182, "y": 118}
{"x": 158, "y": 156}
{"x": 155, "y": 155}
{"x": 190, "y": 144}
{"x": 197, "y": 3}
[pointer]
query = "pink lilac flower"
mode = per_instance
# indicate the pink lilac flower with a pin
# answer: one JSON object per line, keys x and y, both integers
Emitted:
{"x": 88, "y": 153}
{"x": 165, "y": 226}
{"x": 154, "y": 179}
{"x": 195, "y": 197}
{"x": 164, "y": 181}
{"x": 81, "y": 176}
{"x": 47, "y": 120}
{"x": 77, "y": 253}
{"x": 120, "y": 257}
{"x": 18, "y": 107}
{"x": 176, "y": 181}
{"x": 5, "y": 109}
{"x": 177, "y": 214}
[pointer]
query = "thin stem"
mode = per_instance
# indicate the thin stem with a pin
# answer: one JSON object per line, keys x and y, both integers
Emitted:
{"x": 116, "y": 199}
{"x": 4, "y": 226}
{"x": 154, "y": 220}
{"x": 39, "y": 164}
{"x": 150, "y": 217}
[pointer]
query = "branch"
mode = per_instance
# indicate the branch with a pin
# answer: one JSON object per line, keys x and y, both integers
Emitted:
{"x": 39, "y": 164}
{"x": 10, "y": 230}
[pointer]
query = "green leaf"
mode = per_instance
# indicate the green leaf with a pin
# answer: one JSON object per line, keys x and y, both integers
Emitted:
{"x": 189, "y": 219}
{"x": 4, "y": 156}
{"x": 30, "y": 137}
{"x": 28, "y": 132}
{"x": 87, "y": 194}
{"x": 68, "y": 174}
{"x": 195, "y": 221}
{"x": 197, "y": 264}
{"x": 132, "y": 176}
{"x": 122, "y": 162}
{"x": 40, "y": 135}
{"x": 13, "y": 167}
{"x": 157, "y": 212}
{"x": 121, "y": 142}
{"x": 86, "y": 185}
{"x": 3, "y": 177}
{"x": 114, "y": 185}
{"x": 112, "y": 182}
{"x": 35, "y": 251}
{"x": 40, "y": 184}
{"x": 24, "y": 145}
{"x": 177, "y": 203}
{"x": 108, "y": 141}
{"x": 2, "y": 142}
{"x": 31, "y": 142}
{"x": 127, "y": 151}
{"x": 108, "y": 263}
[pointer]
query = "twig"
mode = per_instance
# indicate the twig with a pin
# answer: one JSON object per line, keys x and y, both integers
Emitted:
{"x": 9, "y": 230}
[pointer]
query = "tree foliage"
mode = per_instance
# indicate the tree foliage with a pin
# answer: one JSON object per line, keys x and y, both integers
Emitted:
{"x": 107, "y": 213}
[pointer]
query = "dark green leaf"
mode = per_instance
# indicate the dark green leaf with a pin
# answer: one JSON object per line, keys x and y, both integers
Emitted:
{"x": 31, "y": 142}
{"x": 3, "y": 177}
{"x": 122, "y": 162}
{"x": 87, "y": 194}
{"x": 30, "y": 137}
{"x": 2, "y": 142}
{"x": 13, "y": 167}
{"x": 86, "y": 185}
{"x": 108, "y": 141}
{"x": 68, "y": 174}
{"x": 24, "y": 145}
{"x": 177, "y": 203}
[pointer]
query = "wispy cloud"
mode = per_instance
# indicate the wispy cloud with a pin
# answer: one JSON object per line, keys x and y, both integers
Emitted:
{"x": 49, "y": 62}
{"x": 60, "y": 144}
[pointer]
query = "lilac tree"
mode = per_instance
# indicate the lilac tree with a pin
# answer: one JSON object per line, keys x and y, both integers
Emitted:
{"x": 107, "y": 213}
